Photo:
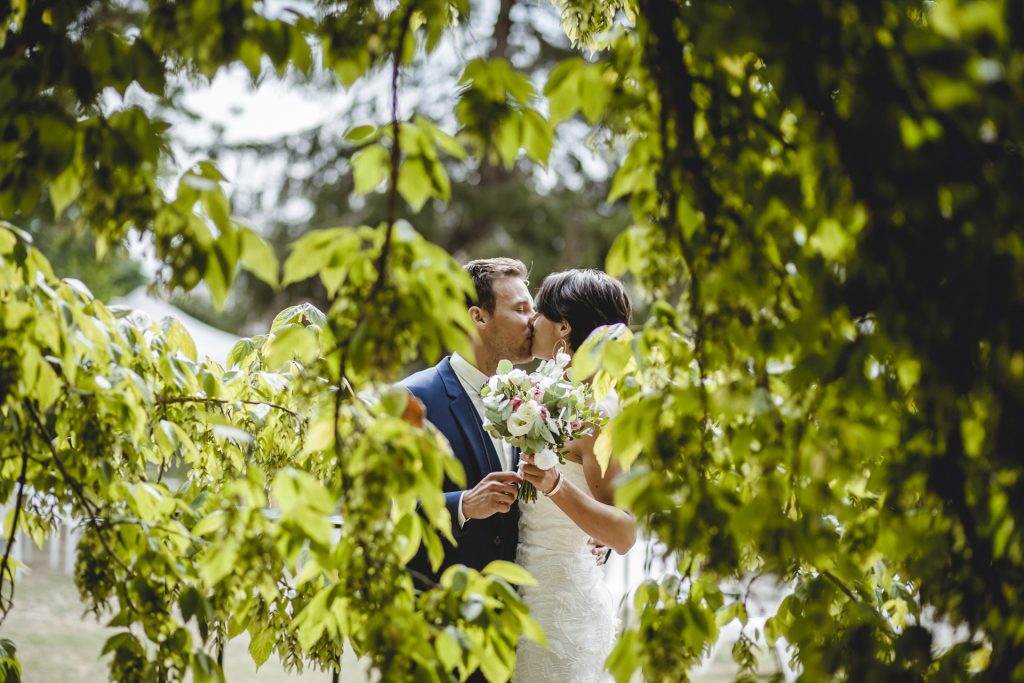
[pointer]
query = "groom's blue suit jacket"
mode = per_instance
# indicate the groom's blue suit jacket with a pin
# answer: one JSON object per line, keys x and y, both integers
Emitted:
{"x": 450, "y": 409}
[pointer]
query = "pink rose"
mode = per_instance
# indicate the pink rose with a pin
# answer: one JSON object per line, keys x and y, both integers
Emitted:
{"x": 516, "y": 402}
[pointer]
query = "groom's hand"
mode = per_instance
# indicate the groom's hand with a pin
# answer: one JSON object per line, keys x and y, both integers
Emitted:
{"x": 495, "y": 493}
{"x": 599, "y": 550}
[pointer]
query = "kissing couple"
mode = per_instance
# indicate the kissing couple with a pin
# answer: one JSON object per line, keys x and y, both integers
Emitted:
{"x": 557, "y": 537}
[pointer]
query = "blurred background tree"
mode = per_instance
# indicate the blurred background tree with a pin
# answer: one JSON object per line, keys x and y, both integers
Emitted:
{"x": 552, "y": 217}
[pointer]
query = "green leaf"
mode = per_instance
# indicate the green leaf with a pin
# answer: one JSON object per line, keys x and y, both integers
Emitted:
{"x": 594, "y": 92}
{"x": 219, "y": 562}
{"x": 408, "y": 532}
{"x": 734, "y": 610}
{"x": 414, "y": 183}
{"x": 509, "y": 139}
{"x": 218, "y": 209}
{"x": 205, "y": 669}
{"x": 435, "y": 551}
{"x": 533, "y": 630}
{"x": 250, "y": 54}
{"x": 312, "y": 252}
{"x": 513, "y": 573}
{"x": 448, "y": 651}
{"x": 122, "y": 641}
{"x": 220, "y": 268}
{"x": 562, "y": 90}
{"x": 64, "y": 189}
{"x": 370, "y": 168}
{"x": 360, "y": 133}
{"x": 831, "y": 240}
{"x": 450, "y": 145}
{"x": 261, "y": 645}
{"x": 538, "y": 137}
{"x": 625, "y": 657}
{"x": 494, "y": 670}
{"x": 178, "y": 336}
{"x": 258, "y": 257}
{"x": 292, "y": 341}
{"x": 212, "y": 522}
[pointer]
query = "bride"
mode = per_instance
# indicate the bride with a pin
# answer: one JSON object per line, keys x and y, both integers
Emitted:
{"x": 571, "y": 601}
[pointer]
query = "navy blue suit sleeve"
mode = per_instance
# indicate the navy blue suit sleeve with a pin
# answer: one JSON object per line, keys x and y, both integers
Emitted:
{"x": 451, "y": 500}
{"x": 426, "y": 387}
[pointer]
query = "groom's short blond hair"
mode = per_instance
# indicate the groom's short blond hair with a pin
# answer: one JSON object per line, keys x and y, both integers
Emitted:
{"x": 485, "y": 271}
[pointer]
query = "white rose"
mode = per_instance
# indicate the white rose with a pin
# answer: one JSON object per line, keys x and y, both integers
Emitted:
{"x": 493, "y": 383}
{"x": 546, "y": 459}
{"x": 522, "y": 420}
{"x": 518, "y": 377}
{"x": 562, "y": 359}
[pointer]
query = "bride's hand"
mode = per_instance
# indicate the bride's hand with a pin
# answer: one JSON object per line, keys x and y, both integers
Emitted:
{"x": 543, "y": 480}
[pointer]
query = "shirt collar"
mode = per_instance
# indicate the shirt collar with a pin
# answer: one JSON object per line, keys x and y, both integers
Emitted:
{"x": 468, "y": 373}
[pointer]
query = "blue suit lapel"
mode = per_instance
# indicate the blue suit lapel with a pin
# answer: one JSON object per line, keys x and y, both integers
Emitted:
{"x": 468, "y": 420}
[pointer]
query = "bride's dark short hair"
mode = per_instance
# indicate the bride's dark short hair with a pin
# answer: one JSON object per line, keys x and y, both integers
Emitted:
{"x": 586, "y": 299}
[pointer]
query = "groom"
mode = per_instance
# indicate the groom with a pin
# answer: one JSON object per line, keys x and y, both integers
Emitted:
{"x": 484, "y": 516}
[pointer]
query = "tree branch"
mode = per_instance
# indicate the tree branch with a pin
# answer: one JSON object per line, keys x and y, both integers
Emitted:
{"x": 75, "y": 485}
{"x": 392, "y": 213}
{"x": 4, "y": 566}
{"x": 675, "y": 107}
{"x": 222, "y": 401}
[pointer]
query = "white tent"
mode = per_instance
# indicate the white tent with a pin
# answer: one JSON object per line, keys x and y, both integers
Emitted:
{"x": 208, "y": 339}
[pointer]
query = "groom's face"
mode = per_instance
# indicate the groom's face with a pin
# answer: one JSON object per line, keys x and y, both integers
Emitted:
{"x": 508, "y": 331}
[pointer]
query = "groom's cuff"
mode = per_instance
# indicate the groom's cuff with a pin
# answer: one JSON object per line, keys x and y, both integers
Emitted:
{"x": 453, "y": 501}
{"x": 462, "y": 515}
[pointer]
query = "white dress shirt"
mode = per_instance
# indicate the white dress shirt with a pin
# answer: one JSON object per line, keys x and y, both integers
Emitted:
{"x": 472, "y": 380}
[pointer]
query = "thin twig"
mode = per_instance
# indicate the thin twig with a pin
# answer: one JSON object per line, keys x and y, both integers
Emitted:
{"x": 75, "y": 485}
{"x": 4, "y": 566}
{"x": 834, "y": 580}
{"x": 131, "y": 521}
{"x": 223, "y": 401}
{"x": 392, "y": 216}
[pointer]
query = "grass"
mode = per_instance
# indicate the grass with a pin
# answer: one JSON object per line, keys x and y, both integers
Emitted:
{"x": 57, "y": 643}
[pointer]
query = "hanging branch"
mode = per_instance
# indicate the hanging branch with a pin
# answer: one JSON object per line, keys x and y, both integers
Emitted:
{"x": 392, "y": 215}
{"x": 676, "y": 112}
{"x": 5, "y": 565}
{"x": 75, "y": 485}
{"x": 223, "y": 402}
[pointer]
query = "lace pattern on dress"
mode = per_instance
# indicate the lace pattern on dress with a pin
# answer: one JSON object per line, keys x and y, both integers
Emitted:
{"x": 571, "y": 602}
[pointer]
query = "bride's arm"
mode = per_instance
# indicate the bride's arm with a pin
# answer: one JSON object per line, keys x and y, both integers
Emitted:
{"x": 594, "y": 514}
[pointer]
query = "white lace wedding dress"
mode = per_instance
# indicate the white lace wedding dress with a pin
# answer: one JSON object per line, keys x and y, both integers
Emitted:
{"x": 571, "y": 602}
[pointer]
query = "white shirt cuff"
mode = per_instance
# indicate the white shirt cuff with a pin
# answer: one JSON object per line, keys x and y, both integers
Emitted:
{"x": 462, "y": 515}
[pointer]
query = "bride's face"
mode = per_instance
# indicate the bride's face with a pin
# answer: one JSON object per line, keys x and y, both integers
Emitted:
{"x": 547, "y": 336}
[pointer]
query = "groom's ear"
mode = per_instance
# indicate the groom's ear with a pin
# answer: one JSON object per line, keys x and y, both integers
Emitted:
{"x": 477, "y": 315}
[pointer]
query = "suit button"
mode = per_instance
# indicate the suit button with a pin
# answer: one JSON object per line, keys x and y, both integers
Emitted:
{"x": 497, "y": 540}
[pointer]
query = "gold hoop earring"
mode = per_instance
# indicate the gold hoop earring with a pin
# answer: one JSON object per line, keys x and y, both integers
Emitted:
{"x": 560, "y": 347}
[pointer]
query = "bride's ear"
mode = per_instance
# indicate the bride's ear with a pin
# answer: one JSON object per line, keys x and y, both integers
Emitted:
{"x": 564, "y": 328}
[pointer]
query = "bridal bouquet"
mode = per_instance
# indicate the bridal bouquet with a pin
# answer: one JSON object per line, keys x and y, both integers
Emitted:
{"x": 538, "y": 412}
